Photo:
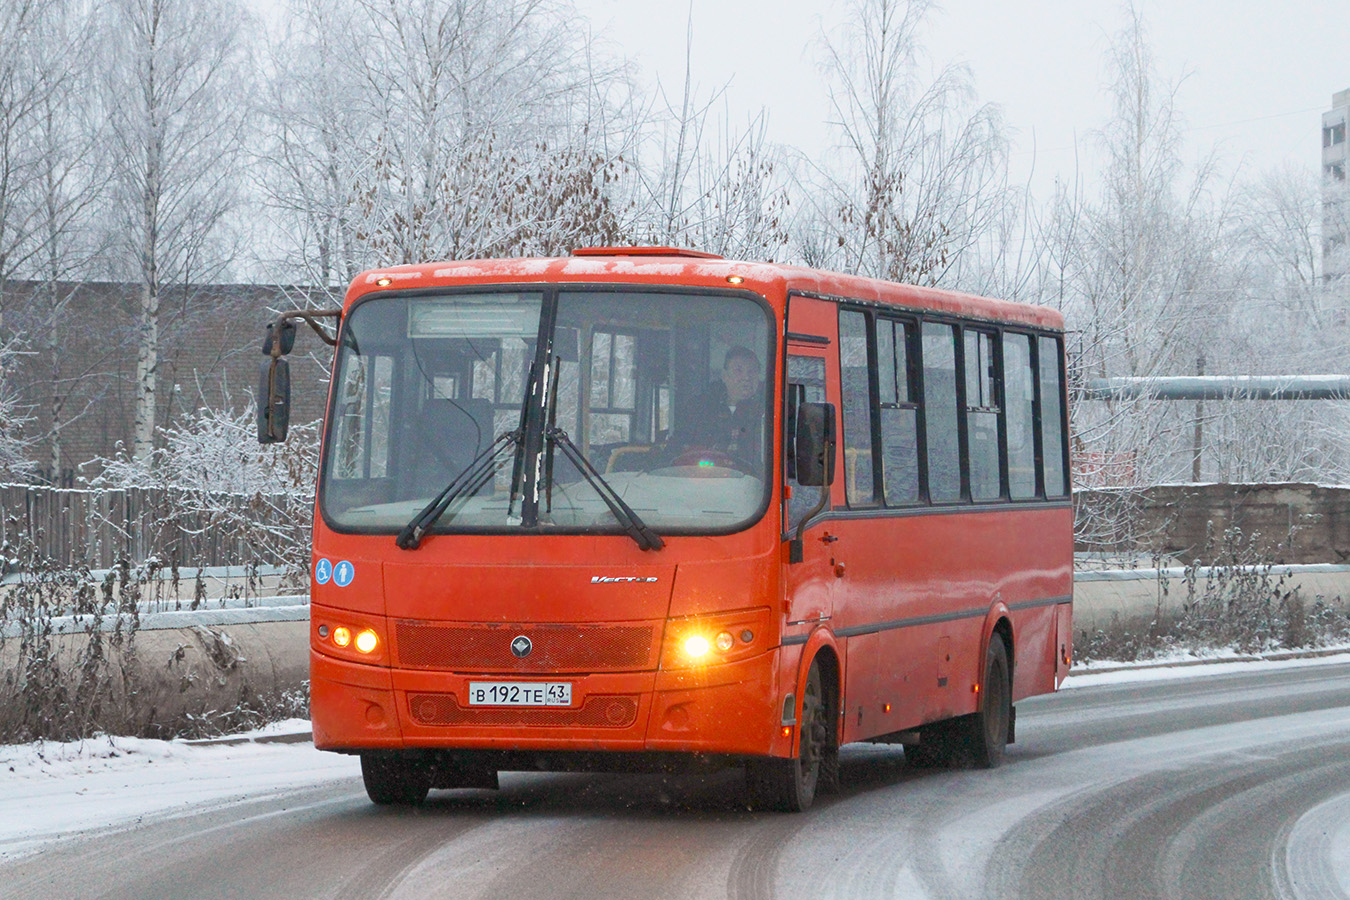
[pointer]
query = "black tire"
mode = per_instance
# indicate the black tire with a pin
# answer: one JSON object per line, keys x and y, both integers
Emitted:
{"x": 395, "y": 780}
{"x": 987, "y": 730}
{"x": 790, "y": 785}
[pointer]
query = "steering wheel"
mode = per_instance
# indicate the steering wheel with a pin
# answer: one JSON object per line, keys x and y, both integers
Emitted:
{"x": 703, "y": 456}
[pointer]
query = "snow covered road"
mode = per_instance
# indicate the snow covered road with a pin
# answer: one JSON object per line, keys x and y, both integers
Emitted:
{"x": 1228, "y": 781}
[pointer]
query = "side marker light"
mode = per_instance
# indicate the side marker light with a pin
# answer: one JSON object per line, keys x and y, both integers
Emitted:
{"x": 342, "y": 636}
{"x": 724, "y": 641}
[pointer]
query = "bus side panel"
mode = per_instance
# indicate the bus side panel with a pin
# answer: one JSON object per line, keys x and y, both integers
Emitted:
{"x": 1034, "y": 631}
{"x": 925, "y": 583}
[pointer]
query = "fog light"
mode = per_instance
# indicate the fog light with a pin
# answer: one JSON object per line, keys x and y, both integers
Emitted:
{"x": 366, "y": 641}
{"x": 724, "y": 641}
{"x": 323, "y": 631}
{"x": 747, "y": 635}
{"x": 342, "y": 636}
{"x": 696, "y": 646}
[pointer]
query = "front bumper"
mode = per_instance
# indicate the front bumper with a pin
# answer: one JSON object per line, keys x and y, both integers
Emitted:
{"x": 732, "y": 709}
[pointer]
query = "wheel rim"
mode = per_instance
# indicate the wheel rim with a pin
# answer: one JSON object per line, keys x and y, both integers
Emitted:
{"x": 813, "y": 731}
{"x": 995, "y": 711}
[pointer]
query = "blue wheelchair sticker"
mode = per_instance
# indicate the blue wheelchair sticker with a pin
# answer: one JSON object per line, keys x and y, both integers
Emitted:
{"x": 323, "y": 570}
{"x": 343, "y": 573}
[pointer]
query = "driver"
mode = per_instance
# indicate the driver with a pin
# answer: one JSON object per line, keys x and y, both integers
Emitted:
{"x": 733, "y": 409}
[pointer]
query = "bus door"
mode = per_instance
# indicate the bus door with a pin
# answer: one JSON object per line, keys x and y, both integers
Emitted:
{"x": 810, "y": 576}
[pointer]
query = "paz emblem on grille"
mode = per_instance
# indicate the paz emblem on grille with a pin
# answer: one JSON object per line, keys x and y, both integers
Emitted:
{"x": 521, "y": 646}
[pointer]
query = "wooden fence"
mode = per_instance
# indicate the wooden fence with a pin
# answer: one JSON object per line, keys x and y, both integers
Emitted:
{"x": 99, "y": 528}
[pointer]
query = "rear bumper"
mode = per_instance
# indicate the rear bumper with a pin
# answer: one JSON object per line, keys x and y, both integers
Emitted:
{"x": 732, "y": 709}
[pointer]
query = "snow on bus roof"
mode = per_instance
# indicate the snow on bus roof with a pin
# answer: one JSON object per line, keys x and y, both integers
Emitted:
{"x": 705, "y": 269}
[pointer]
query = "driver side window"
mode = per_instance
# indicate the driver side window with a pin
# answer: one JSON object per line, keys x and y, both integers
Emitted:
{"x": 805, "y": 384}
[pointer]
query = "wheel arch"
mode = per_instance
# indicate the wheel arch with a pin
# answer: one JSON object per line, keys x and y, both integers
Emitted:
{"x": 822, "y": 647}
{"x": 998, "y": 625}
{"x": 1003, "y": 629}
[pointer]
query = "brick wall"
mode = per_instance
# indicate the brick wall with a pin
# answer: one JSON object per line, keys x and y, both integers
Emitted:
{"x": 1282, "y": 523}
{"x": 210, "y": 343}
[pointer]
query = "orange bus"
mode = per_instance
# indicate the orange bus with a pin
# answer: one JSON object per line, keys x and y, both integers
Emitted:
{"x": 643, "y": 507}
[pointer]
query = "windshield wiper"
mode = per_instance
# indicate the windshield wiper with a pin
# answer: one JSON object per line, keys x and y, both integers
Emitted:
{"x": 632, "y": 523}
{"x": 468, "y": 482}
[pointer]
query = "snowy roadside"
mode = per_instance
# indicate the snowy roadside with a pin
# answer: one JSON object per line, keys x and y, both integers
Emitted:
{"x": 50, "y": 790}
{"x": 1189, "y": 665}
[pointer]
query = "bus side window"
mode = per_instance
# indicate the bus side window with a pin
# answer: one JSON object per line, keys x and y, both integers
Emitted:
{"x": 983, "y": 409}
{"x": 940, "y": 419}
{"x": 1020, "y": 394}
{"x": 855, "y": 384}
{"x": 899, "y": 412}
{"x": 805, "y": 384}
{"x": 1052, "y": 419}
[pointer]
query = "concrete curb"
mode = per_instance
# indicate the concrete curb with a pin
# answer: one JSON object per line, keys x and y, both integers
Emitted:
{"x": 296, "y": 737}
{"x": 1278, "y": 656}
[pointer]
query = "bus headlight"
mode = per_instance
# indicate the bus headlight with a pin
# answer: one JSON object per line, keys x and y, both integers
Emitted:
{"x": 353, "y": 639}
{"x": 711, "y": 639}
{"x": 696, "y": 646}
{"x": 366, "y": 641}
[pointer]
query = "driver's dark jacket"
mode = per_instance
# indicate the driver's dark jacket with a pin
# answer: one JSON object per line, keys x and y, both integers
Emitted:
{"x": 720, "y": 427}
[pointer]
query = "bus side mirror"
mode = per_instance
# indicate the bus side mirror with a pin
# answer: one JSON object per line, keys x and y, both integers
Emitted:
{"x": 274, "y": 400}
{"x": 814, "y": 445}
{"x": 287, "y": 338}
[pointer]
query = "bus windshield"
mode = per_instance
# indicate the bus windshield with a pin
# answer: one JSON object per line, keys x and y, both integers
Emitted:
{"x": 664, "y": 395}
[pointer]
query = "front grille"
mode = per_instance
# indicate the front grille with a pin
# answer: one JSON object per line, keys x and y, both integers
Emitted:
{"x": 599, "y": 711}
{"x": 556, "y": 648}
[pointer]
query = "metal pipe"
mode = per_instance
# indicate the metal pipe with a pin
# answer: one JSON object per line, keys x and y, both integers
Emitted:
{"x": 1221, "y": 387}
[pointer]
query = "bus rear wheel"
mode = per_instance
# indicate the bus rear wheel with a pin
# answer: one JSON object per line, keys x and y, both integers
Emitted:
{"x": 987, "y": 730}
{"x": 790, "y": 785}
{"x": 394, "y": 780}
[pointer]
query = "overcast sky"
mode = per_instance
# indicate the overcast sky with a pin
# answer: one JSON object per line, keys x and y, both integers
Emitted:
{"x": 1259, "y": 73}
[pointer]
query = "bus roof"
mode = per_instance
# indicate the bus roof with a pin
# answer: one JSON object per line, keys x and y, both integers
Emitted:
{"x": 669, "y": 265}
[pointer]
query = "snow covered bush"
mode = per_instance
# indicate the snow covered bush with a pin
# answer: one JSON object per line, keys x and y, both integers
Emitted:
{"x": 60, "y": 676}
{"x": 211, "y": 475}
{"x": 14, "y": 463}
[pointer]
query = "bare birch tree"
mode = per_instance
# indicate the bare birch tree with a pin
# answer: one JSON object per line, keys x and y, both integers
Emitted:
{"x": 72, "y": 168}
{"x": 703, "y": 182}
{"x": 175, "y": 78}
{"x": 923, "y": 178}
{"x": 24, "y": 85}
{"x": 445, "y": 129}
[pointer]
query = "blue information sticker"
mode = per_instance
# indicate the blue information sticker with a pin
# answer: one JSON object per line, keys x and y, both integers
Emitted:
{"x": 323, "y": 570}
{"x": 343, "y": 573}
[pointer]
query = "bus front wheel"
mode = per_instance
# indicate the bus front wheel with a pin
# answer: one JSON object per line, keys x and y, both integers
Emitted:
{"x": 393, "y": 780}
{"x": 790, "y": 785}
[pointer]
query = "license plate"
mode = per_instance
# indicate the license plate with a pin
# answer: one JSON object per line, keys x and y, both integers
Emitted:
{"x": 520, "y": 693}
